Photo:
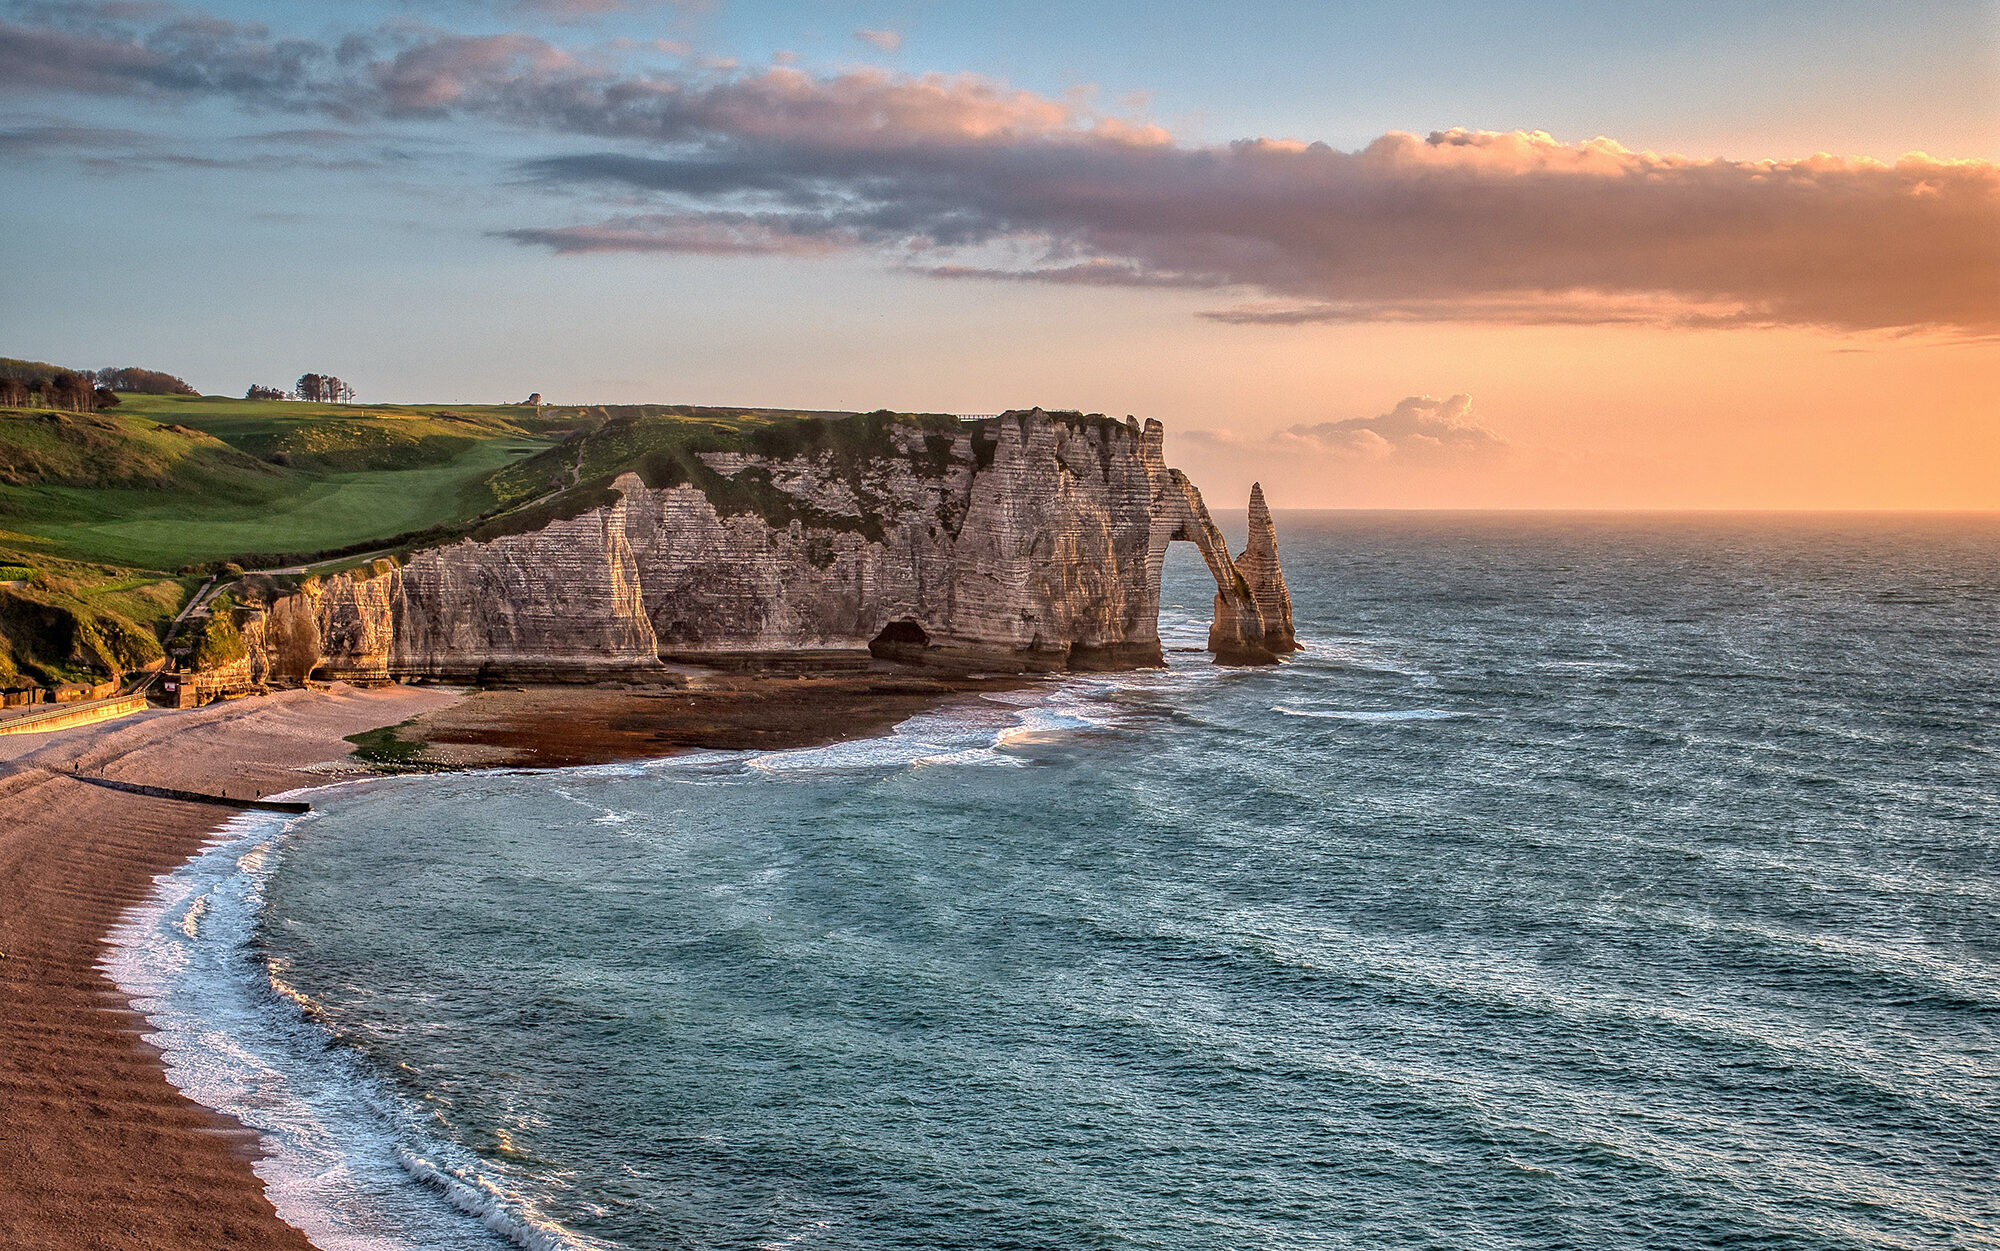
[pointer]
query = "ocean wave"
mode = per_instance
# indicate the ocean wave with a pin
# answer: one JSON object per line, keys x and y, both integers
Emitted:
{"x": 1360, "y": 714}
{"x": 507, "y": 1215}
{"x": 972, "y": 756}
{"x": 928, "y": 737}
{"x": 343, "y": 1157}
{"x": 1042, "y": 725}
{"x": 982, "y": 733}
{"x": 1364, "y": 654}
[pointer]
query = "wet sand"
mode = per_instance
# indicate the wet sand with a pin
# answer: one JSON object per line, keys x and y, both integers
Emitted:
{"x": 100, "y": 1150}
{"x": 560, "y": 726}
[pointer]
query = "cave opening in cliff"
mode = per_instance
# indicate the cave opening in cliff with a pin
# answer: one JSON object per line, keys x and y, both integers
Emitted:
{"x": 900, "y": 640}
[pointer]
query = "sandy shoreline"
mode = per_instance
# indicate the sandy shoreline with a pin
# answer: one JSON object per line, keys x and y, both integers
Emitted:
{"x": 102, "y": 1151}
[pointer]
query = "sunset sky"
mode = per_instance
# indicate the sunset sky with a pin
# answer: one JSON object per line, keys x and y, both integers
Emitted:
{"x": 1395, "y": 254}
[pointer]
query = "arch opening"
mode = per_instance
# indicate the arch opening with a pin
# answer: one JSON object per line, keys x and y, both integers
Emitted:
{"x": 1253, "y": 611}
{"x": 902, "y": 639}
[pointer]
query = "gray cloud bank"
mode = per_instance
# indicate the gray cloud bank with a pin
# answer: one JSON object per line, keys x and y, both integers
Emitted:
{"x": 1418, "y": 430}
{"x": 1418, "y": 427}
{"x": 964, "y": 178}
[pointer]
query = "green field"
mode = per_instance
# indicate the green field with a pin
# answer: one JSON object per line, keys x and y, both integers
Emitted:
{"x": 163, "y": 482}
{"x": 171, "y": 529}
{"x": 110, "y": 520}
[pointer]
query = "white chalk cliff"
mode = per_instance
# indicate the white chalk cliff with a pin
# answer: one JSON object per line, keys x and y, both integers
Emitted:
{"x": 1030, "y": 540}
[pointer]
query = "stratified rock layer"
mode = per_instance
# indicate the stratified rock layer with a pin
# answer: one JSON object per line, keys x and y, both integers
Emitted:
{"x": 1029, "y": 540}
{"x": 1260, "y": 568}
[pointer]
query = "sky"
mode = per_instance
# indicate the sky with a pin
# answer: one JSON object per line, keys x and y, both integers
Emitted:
{"x": 1548, "y": 254}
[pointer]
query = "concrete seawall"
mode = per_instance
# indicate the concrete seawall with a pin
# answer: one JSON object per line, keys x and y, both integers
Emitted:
{"x": 47, "y": 717}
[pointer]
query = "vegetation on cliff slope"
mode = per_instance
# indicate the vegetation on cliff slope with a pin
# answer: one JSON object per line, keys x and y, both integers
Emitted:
{"x": 55, "y": 629}
{"x": 664, "y": 446}
{"x": 110, "y": 519}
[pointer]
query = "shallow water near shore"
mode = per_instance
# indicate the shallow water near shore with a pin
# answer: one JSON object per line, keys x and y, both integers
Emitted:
{"x": 1588, "y": 882}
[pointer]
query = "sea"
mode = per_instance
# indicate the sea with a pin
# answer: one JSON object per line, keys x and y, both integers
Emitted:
{"x": 1589, "y": 881}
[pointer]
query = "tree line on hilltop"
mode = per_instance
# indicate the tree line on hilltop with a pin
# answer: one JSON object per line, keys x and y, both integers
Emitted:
{"x": 38, "y": 384}
{"x": 320, "y": 388}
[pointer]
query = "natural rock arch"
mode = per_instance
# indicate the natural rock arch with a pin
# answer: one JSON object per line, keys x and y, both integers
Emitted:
{"x": 1253, "y": 607}
{"x": 1031, "y": 540}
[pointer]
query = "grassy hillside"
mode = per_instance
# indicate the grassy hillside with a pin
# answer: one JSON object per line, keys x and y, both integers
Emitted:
{"x": 161, "y": 482}
{"x": 109, "y": 520}
{"x": 98, "y": 511}
{"x": 64, "y": 621}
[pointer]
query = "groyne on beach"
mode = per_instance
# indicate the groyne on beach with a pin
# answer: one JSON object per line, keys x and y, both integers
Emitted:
{"x": 223, "y": 800}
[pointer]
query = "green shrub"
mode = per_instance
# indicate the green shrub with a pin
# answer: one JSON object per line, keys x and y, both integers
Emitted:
{"x": 219, "y": 642}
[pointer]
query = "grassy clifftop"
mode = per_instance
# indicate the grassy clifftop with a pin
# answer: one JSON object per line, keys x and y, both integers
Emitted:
{"x": 98, "y": 511}
{"x": 663, "y": 445}
{"x": 161, "y": 482}
{"x": 166, "y": 481}
{"x": 109, "y": 520}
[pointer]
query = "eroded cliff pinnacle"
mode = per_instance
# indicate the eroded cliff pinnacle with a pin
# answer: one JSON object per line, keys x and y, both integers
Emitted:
{"x": 1029, "y": 540}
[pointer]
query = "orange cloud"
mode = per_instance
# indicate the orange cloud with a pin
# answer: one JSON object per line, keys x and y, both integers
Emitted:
{"x": 965, "y": 177}
{"x": 1465, "y": 226}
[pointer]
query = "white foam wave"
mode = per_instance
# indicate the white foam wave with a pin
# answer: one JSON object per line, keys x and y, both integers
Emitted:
{"x": 974, "y": 756}
{"x": 981, "y": 732}
{"x": 346, "y": 1158}
{"x": 235, "y": 1037}
{"x": 797, "y": 1237}
{"x": 507, "y": 1215}
{"x": 1363, "y": 714}
{"x": 925, "y": 738}
{"x": 1047, "y": 724}
{"x": 1373, "y": 656}
{"x": 190, "y": 922}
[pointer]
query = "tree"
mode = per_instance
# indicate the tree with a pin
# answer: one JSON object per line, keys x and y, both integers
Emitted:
{"x": 38, "y": 383}
{"x": 71, "y": 391}
{"x": 324, "y": 389}
{"x": 144, "y": 381}
{"x": 533, "y": 401}
{"x": 258, "y": 391}
{"x": 104, "y": 397}
{"x": 13, "y": 393}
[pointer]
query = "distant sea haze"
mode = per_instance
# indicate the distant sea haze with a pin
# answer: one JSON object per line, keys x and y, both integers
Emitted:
{"x": 1593, "y": 882}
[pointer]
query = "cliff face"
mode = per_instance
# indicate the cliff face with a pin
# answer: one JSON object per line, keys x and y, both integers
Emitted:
{"x": 1023, "y": 541}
